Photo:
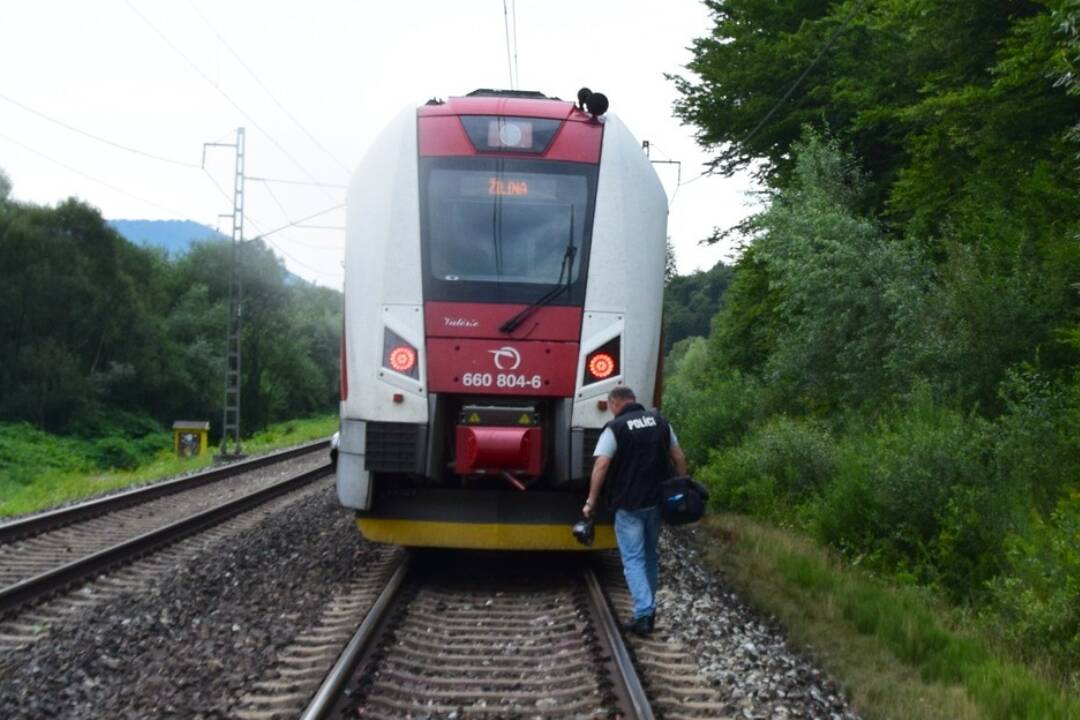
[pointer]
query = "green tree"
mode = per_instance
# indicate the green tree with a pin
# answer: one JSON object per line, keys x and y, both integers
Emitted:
{"x": 98, "y": 332}
{"x": 691, "y": 301}
{"x": 920, "y": 91}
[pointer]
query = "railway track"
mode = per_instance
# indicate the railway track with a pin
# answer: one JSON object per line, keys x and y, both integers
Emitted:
{"x": 486, "y": 639}
{"x": 490, "y": 637}
{"x": 45, "y": 554}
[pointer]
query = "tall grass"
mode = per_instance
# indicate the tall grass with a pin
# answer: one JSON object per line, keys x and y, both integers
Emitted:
{"x": 39, "y": 470}
{"x": 869, "y": 629}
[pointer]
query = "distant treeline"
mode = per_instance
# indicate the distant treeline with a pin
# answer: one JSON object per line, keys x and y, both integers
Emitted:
{"x": 98, "y": 335}
{"x": 691, "y": 301}
{"x": 896, "y": 364}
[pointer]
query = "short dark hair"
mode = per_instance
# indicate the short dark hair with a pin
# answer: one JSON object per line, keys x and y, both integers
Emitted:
{"x": 621, "y": 392}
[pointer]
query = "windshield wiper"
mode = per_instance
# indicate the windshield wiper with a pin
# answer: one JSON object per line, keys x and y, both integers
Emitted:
{"x": 567, "y": 269}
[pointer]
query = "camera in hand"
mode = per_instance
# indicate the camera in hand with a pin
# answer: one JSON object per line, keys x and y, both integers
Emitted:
{"x": 585, "y": 532}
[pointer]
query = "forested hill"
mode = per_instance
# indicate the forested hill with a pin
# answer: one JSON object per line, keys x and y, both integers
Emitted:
{"x": 98, "y": 332}
{"x": 896, "y": 364}
{"x": 176, "y": 237}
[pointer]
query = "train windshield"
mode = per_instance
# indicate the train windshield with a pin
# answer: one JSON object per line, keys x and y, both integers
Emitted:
{"x": 505, "y": 229}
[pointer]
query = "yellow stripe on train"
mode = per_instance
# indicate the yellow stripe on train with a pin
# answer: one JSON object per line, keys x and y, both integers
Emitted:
{"x": 479, "y": 536}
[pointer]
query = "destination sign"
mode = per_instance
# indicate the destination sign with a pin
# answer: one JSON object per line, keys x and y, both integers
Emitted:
{"x": 514, "y": 188}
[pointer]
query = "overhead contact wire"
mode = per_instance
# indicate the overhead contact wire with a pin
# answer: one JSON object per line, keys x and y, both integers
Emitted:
{"x": 517, "y": 73}
{"x": 794, "y": 86}
{"x": 506, "y": 27}
{"x": 254, "y": 123}
{"x": 97, "y": 138}
{"x": 266, "y": 89}
{"x": 89, "y": 177}
{"x": 301, "y": 220}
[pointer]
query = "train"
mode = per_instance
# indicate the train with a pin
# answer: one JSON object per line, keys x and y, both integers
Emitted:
{"x": 504, "y": 270}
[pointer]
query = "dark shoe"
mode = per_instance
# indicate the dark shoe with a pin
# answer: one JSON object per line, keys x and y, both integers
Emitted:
{"x": 641, "y": 627}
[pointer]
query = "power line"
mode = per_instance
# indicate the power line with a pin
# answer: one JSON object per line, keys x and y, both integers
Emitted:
{"x": 224, "y": 94}
{"x": 296, "y": 182}
{"x": 266, "y": 89}
{"x": 301, "y": 220}
{"x": 99, "y": 181}
{"x": 794, "y": 86}
{"x": 98, "y": 138}
{"x": 302, "y": 264}
{"x": 310, "y": 246}
{"x": 220, "y": 189}
{"x": 692, "y": 180}
{"x": 277, "y": 202}
{"x": 811, "y": 66}
{"x": 517, "y": 74}
{"x": 298, "y": 223}
{"x": 506, "y": 26}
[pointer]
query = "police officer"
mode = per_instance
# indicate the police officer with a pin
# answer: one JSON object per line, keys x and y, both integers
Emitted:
{"x": 635, "y": 453}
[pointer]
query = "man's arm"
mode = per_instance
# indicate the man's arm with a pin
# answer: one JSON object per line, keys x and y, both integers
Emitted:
{"x": 679, "y": 460}
{"x": 596, "y": 482}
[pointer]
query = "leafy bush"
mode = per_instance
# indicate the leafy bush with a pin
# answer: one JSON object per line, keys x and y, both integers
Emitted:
{"x": 103, "y": 420}
{"x": 824, "y": 303}
{"x": 917, "y": 492}
{"x": 707, "y": 411}
{"x": 1039, "y": 596}
{"x": 27, "y": 449}
{"x": 1037, "y": 447}
{"x": 115, "y": 452}
{"x": 777, "y": 468}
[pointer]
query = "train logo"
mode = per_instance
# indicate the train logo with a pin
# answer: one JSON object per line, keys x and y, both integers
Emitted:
{"x": 506, "y": 352}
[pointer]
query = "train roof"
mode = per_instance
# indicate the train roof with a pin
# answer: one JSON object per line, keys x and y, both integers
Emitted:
{"x": 520, "y": 103}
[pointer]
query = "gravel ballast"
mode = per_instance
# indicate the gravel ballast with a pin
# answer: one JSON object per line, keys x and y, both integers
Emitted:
{"x": 747, "y": 658}
{"x": 189, "y": 647}
{"x": 196, "y": 643}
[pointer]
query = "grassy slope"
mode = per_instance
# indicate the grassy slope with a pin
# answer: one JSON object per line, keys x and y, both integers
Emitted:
{"x": 897, "y": 654}
{"x": 46, "y": 470}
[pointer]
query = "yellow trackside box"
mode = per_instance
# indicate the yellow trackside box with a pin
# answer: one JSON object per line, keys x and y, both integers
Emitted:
{"x": 190, "y": 437}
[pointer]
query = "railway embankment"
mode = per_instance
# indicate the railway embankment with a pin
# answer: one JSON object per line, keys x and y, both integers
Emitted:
{"x": 192, "y": 641}
{"x": 898, "y": 651}
{"x": 248, "y": 624}
{"x": 41, "y": 471}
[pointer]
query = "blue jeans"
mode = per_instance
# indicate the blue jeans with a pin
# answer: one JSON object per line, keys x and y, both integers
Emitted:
{"x": 637, "y": 532}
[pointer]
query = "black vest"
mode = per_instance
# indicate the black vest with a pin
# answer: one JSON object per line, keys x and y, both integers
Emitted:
{"x": 642, "y": 458}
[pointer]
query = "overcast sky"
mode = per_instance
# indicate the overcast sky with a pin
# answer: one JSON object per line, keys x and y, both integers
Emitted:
{"x": 165, "y": 76}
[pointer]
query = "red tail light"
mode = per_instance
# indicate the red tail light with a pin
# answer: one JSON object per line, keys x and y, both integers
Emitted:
{"x": 402, "y": 359}
{"x": 399, "y": 354}
{"x": 602, "y": 363}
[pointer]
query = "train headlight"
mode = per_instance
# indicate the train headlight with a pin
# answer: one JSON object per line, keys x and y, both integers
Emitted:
{"x": 602, "y": 363}
{"x": 512, "y": 134}
{"x": 399, "y": 355}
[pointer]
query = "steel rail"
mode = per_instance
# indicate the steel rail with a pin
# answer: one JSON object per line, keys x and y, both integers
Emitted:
{"x": 53, "y": 519}
{"x": 45, "y": 584}
{"x": 626, "y": 677}
{"x": 326, "y": 697}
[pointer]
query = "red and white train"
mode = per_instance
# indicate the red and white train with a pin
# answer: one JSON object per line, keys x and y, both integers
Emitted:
{"x": 504, "y": 270}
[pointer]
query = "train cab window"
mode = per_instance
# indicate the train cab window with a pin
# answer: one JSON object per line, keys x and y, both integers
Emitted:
{"x": 499, "y": 230}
